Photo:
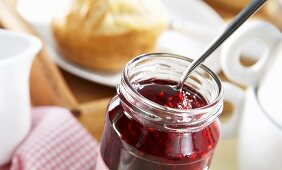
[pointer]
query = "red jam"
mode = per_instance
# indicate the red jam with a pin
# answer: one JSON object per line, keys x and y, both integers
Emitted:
{"x": 128, "y": 144}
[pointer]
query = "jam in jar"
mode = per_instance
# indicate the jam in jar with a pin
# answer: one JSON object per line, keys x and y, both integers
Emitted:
{"x": 152, "y": 125}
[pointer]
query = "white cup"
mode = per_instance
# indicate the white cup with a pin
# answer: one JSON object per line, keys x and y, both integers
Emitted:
{"x": 17, "y": 51}
{"x": 260, "y": 124}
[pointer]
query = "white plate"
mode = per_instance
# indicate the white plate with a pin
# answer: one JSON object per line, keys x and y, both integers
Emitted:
{"x": 200, "y": 26}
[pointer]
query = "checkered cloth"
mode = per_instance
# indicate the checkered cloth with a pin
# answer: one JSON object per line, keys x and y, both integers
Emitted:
{"x": 56, "y": 142}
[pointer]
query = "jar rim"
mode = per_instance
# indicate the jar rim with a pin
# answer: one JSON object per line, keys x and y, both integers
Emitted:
{"x": 179, "y": 112}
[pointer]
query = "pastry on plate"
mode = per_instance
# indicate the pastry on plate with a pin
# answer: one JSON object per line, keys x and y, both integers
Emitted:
{"x": 105, "y": 34}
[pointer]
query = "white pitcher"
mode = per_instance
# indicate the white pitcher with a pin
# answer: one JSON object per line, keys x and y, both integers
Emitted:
{"x": 260, "y": 123}
{"x": 17, "y": 51}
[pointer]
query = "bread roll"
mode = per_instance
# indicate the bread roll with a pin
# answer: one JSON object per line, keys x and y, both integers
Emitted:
{"x": 105, "y": 34}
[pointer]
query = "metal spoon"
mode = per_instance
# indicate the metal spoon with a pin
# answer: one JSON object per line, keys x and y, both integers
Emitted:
{"x": 248, "y": 11}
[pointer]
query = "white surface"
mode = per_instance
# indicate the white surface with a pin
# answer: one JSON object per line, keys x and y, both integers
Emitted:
{"x": 17, "y": 52}
{"x": 259, "y": 139}
{"x": 270, "y": 88}
{"x": 200, "y": 25}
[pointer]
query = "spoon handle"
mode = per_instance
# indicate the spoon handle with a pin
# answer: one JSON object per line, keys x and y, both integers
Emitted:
{"x": 248, "y": 11}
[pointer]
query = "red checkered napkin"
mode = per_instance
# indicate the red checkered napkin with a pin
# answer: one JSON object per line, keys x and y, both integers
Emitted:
{"x": 56, "y": 142}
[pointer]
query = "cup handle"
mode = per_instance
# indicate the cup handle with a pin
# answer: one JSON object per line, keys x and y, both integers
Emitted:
{"x": 230, "y": 56}
{"x": 236, "y": 97}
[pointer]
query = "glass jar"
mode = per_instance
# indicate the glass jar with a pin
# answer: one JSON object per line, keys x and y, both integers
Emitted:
{"x": 141, "y": 134}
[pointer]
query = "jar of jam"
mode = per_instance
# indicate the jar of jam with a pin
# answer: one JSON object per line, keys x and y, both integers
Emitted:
{"x": 152, "y": 125}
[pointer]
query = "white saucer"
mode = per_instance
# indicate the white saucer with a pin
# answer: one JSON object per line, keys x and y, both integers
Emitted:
{"x": 200, "y": 26}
